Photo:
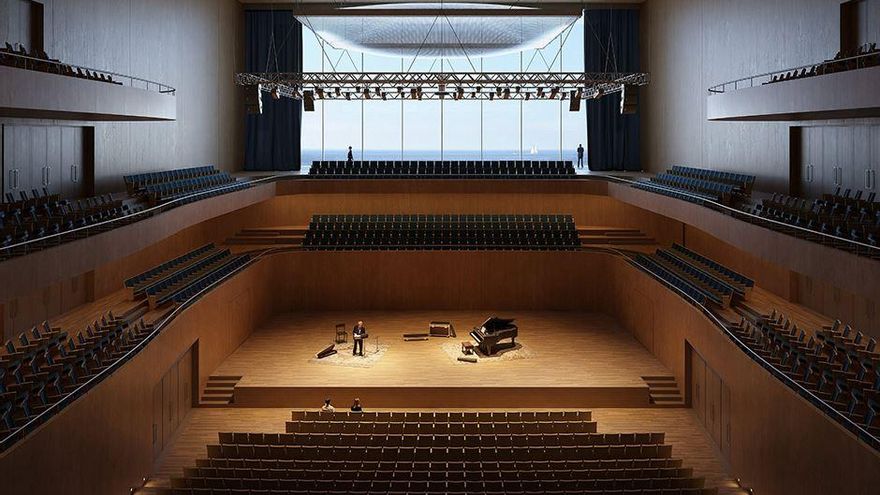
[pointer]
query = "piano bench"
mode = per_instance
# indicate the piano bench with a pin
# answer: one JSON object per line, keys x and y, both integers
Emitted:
{"x": 467, "y": 348}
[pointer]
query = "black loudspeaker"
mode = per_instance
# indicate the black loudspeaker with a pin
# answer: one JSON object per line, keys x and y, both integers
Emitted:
{"x": 629, "y": 99}
{"x": 253, "y": 99}
{"x": 308, "y": 101}
{"x": 574, "y": 103}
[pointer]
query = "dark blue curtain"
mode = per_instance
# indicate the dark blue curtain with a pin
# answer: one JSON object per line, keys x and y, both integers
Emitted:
{"x": 611, "y": 44}
{"x": 273, "y": 43}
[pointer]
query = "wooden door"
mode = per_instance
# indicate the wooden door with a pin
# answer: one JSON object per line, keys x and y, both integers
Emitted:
{"x": 874, "y": 160}
{"x": 8, "y": 162}
{"x": 713, "y": 404}
{"x": 73, "y": 184}
{"x": 811, "y": 175}
{"x": 169, "y": 404}
{"x": 54, "y": 175}
{"x": 698, "y": 385}
{"x": 829, "y": 182}
{"x": 846, "y": 163}
{"x": 157, "y": 420}
{"x": 726, "y": 413}
{"x": 185, "y": 385}
{"x": 21, "y": 160}
{"x": 39, "y": 169}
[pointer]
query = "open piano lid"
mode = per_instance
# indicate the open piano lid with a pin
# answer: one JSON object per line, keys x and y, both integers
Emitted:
{"x": 493, "y": 324}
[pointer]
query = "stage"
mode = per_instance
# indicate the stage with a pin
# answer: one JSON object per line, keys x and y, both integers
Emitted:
{"x": 563, "y": 359}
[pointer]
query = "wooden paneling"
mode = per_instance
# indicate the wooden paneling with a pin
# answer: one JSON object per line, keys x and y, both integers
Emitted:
{"x": 690, "y": 45}
{"x": 192, "y": 45}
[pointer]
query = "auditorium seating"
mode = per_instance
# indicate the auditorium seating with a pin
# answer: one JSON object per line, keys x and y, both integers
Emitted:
{"x": 837, "y": 364}
{"x": 697, "y": 185}
{"x": 38, "y": 60}
{"x": 179, "y": 279}
{"x": 48, "y": 363}
{"x": 440, "y": 452}
{"x": 445, "y": 169}
{"x": 161, "y": 187}
{"x": 458, "y": 232}
{"x": 844, "y": 215}
{"x": 38, "y": 215}
{"x": 703, "y": 279}
{"x": 867, "y": 55}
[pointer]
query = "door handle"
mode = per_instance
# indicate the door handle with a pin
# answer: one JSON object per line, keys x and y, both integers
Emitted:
{"x": 867, "y": 178}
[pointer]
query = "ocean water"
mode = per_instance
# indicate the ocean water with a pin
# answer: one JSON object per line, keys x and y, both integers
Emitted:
{"x": 308, "y": 156}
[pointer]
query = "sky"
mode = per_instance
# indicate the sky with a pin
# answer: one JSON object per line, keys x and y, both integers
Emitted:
{"x": 416, "y": 125}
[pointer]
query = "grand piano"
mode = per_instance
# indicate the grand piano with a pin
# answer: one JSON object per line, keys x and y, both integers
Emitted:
{"x": 489, "y": 335}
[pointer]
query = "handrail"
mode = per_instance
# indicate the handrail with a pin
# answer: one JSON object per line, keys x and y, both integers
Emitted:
{"x": 160, "y": 87}
{"x": 841, "y": 418}
{"x": 722, "y": 88}
{"x": 159, "y": 326}
{"x": 736, "y": 212}
{"x": 153, "y": 209}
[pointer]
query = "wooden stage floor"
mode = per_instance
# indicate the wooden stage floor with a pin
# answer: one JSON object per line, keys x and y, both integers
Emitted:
{"x": 689, "y": 440}
{"x": 567, "y": 359}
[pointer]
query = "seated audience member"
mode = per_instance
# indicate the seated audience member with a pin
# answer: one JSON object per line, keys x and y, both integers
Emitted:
{"x": 356, "y": 407}
{"x": 327, "y": 407}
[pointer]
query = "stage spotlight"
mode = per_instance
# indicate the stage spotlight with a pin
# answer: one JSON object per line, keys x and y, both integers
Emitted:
{"x": 553, "y": 93}
{"x": 506, "y": 93}
{"x": 320, "y": 92}
{"x": 276, "y": 93}
{"x": 347, "y": 95}
{"x": 253, "y": 99}
{"x": 540, "y": 92}
{"x": 491, "y": 96}
{"x": 413, "y": 93}
{"x": 308, "y": 101}
{"x": 384, "y": 96}
{"x": 629, "y": 99}
{"x": 574, "y": 104}
{"x": 528, "y": 96}
{"x": 338, "y": 92}
{"x": 366, "y": 94}
{"x": 460, "y": 93}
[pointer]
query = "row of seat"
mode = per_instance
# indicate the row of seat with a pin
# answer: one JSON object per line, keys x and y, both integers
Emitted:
{"x": 869, "y": 56}
{"x": 168, "y": 191}
{"x": 442, "y": 439}
{"x": 48, "y": 363}
{"x": 277, "y": 467}
{"x": 440, "y": 472}
{"x": 702, "y": 278}
{"x": 507, "y": 169}
{"x": 141, "y": 281}
{"x": 442, "y": 427}
{"x": 506, "y": 491}
{"x": 459, "y": 232}
{"x": 38, "y": 60}
{"x": 332, "y": 462}
{"x": 838, "y": 365}
{"x": 743, "y": 182}
{"x": 184, "y": 279}
{"x": 842, "y": 215}
{"x": 134, "y": 183}
{"x": 378, "y": 485}
{"x": 347, "y": 417}
{"x": 443, "y": 218}
{"x": 42, "y": 217}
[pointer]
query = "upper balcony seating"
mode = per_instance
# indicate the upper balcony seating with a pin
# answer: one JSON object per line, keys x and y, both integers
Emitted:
{"x": 842, "y": 215}
{"x": 870, "y": 57}
{"x": 160, "y": 187}
{"x": 41, "y": 214}
{"x": 48, "y": 363}
{"x": 701, "y": 278}
{"x": 38, "y": 60}
{"x": 181, "y": 278}
{"x": 698, "y": 185}
{"x": 445, "y": 452}
{"x": 836, "y": 364}
{"x": 445, "y": 169}
{"x": 457, "y": 232}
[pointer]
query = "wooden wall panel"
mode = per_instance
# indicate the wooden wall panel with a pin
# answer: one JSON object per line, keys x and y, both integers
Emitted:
{"x": 109, "y": 431}
{"x": 768, "y": 448}
{"x": 690, "y": 45}
{"x": 192, "y": 45}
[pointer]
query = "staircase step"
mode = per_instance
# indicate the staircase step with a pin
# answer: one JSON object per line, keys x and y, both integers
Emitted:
{"x": 665, "y": 391}
{"x": 658, "y": 378}
{"x": 224, "y": 378}
{"x": 226, "y": 392}
{"x": 662, "y": 385}
{"x": 663, "y": 398}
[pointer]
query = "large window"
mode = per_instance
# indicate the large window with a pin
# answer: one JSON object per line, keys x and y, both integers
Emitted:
{"x": 379, "y": 129}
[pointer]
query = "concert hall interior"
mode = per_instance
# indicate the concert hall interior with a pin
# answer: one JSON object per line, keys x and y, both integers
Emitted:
{"x": 399, "y": 247}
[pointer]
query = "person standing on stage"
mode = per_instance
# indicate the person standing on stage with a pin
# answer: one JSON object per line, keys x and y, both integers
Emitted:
{"x": 580, "y": 151}
{"x": 359, "y": 333}
{"x": 350, "y": 157}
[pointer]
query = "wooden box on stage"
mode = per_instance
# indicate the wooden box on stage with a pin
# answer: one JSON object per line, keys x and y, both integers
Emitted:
{"x": 441, "y": 329}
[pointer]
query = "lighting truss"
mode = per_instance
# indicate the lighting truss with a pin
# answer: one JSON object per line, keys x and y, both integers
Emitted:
{"x": 440, "y": 85}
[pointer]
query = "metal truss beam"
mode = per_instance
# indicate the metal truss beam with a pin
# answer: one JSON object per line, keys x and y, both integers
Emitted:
{"x": 440, "y": 85}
